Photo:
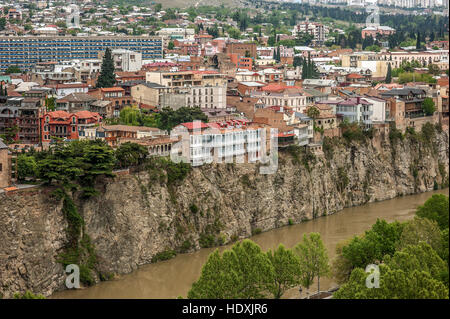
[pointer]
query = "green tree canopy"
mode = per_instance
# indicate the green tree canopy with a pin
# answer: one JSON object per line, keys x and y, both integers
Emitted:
{"x": 428, "y": 106}
{"x": 377, "y": 242}
{"x": 286, "y": 267}
{"x": 13, "y": 69}
{"x": 242, "y": 272}
{"x": 421, "y": 230}
{"x": 313, "y": 259}
{"x": 26, "y": 166}
{"x": 435, "y": 208}
{"x": 411, "y": 273}
{"x": 128, "y": 154}
{"x": 168, "y": 118}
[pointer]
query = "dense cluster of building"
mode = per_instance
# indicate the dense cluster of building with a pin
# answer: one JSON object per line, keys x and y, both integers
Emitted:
{"x": 245, "y": 89}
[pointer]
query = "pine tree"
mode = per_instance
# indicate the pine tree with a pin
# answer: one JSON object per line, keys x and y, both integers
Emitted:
{"x": 389, "y": 74}
{"x": 107, "y": 76}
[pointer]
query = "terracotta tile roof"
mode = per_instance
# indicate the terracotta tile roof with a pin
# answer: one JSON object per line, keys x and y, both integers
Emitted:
{"x": 114, "y": 89}
{"x": 190, "y": 125}
{"x": 355, "y": 76}
{"x": 87, "y": 114}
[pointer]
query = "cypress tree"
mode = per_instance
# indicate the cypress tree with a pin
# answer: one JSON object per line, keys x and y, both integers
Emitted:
{"x": 389, "y": 74}
{"x": 304, "y": 70}
{"x": 107, "y": 77}
{"x": 310, "y": 67}
{"x": 418, "y": 41}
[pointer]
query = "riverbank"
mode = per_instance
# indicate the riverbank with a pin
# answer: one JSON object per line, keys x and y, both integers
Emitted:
{"x": 173, "y": 278}
{"x": 139, "y": 218}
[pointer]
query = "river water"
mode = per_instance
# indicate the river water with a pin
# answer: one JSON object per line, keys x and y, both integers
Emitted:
{"x": 173, "y": 278}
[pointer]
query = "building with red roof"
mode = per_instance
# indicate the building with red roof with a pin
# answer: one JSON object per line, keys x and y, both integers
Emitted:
{"x": 66, "y": 125}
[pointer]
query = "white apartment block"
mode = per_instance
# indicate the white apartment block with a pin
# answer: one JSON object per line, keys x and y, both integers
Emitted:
{"x": 398, "y": 3}
{"x": 205, "y": 97}
{"x": 219, "y": 142}
{"x": 317, "y": 30}
{"x": 126, "y": 60}
{"x": 177, "y": 33}
{"x": 295, "y": 100}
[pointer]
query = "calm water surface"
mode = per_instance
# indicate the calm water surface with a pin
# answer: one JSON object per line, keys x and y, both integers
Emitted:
{"x": 173, "y": 278}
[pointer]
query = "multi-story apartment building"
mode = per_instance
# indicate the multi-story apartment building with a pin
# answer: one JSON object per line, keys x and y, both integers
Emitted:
{"x": 187, "y": 78}
{"x": 25, "y": 51}
{"x": 317, "y": 30}
{"x": 281, "y": 95}
{"x": 20, "y": 115}
{"x": 220, "y": 141}
{"x": 155, "y": 95}
{"x": 410, "y": 3}
{"x": 355, "y": 109}
{"x": 116, "y": 95}
{"x": 177, "y": 33}
{"x": 125, "y": 60}
{"x": 242, "y": 49}
{"x": 412, "y": 97}
{"x": 425, "y": 58}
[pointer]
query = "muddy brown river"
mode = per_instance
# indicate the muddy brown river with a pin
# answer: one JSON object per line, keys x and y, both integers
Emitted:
{"x": 173, "y": 278}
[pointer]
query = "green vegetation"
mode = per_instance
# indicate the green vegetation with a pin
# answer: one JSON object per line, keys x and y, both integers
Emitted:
{"x": 246, "y": 272}
{"x": 166, "y": 171}
{"x": 286, "y": 269}
{"x": 313, "y": 260}
{"x": 107, "y": 76}
{"x": 130, "y": 154}
{"x": 26, "y": 166}
{"x": 388, "y": 78}
{"x": 436, "y": 208}
{"x": 13, "y": 69}
{"x": 193, "y": 208}
{"x": 302, "y": 155}
{"x": 169, "y": 118}
{"x": 256, "y": 231}
{"x": 28, "y": 295}
{"x": 342, "y": 179}
{"x": 412, "y": 257}
{"x": 166, "y": 119}
{"x": 354, "y": 132}
{"x": 164, "y": 255}
{"x": 428, "y": 106}
{"x": 407, "y": 77}
{"x": 309, "y": 69}
{"x": 79, "y": 249}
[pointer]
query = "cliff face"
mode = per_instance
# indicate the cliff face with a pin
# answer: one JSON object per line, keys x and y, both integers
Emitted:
{"x": 136, "y": 217}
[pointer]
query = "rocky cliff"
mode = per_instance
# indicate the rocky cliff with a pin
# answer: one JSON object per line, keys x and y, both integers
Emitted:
{"x": 137, "y": 218}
